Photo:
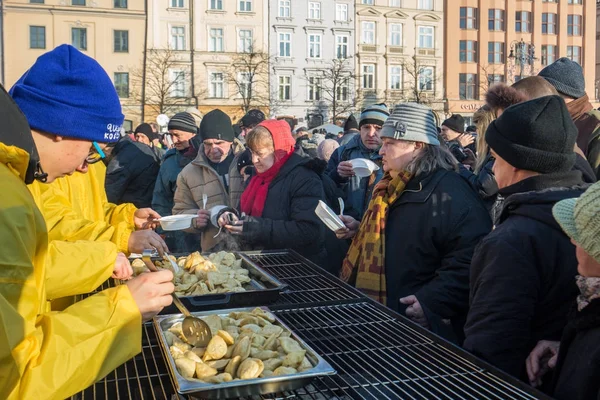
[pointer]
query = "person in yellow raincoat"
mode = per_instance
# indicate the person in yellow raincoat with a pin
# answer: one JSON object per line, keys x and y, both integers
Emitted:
{"x": 56, "y": 354}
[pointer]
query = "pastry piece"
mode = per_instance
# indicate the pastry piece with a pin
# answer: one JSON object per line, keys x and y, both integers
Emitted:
{"x": 216, "y": 349}
{"x": 305, "y": 365}
{"x": 186, "y": 367}
{"x": 192, "y": 356}
{"x": 226, "y": 337}
{"x": 242, "y": 348}
{"x": 271, "y": 343}
{"x": 251, "y": 327}
{"x": 169, "y": 337}
{"x": 273, "y": 363}
{"x": 258, "y": 340}
{"x": 176, "y": 352}
{"x": 204, "y": 371}
{"x": 219, "y": 364}
{"x": 250, "y": 368}
{"x": 289, "y": 345}
{"x": 233, "y": 365}
{"x": 271, "y": 330}
{"x": 263, "y": 354}
{"x": 249, "y": 320}
{"x": 214, "y": 322}
{"x": 221, "y": 378}
{"x": 199, "y": 351}
{"x": 284, "y": 371}
{"x": 266, "y": 374}
{"x": 294, "y": 359}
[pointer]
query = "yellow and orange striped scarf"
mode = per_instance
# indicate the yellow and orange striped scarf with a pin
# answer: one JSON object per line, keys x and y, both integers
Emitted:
{"x": 365, "y": 259}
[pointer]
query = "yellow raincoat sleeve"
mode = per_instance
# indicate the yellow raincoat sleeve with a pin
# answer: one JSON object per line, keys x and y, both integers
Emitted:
{"x": 52, "y": 355}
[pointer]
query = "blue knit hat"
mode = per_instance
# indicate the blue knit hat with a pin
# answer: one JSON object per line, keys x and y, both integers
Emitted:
{"x": 375, "y": 114}
{"x": 67, "y": 93}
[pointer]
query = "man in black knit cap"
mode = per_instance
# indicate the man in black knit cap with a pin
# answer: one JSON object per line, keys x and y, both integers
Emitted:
{"x": 250, "y": 120}
{"x": 350, "y": 130}
{"x": 522, "y": 273}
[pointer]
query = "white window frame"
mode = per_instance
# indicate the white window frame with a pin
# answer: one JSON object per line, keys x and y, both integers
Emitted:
{"x": 368, "y": 76}
{"x": 421, "y": 35}
{"x": 178, "y": 37}
{"x": 215, "y": 5}
{"x": 314, "y": 88}
{"x": 430, "y": 83}
{"x": 343, "y": 90}
{"x": 395, "y": 3}
{"x": 244, "y": 85}
{"x": 285, "y": 9}
{"x": 341, "y": 12}
{"x": 367, "y": 2}
{"x": 341, "y": 42}
{"x": 245, "y": 42}
{"x": 287, "y": 39}
{"x": 395, "y": 77}
{"x": 216, "y": 42}
{"x": 368, "y": 33}
{"x": 425, "y": 4}
{"x": 284, "y": 81}
{"x": 245, "y": 5}
{"x": 178, "y": 83}
{"x": 216, "y": 87}
{"x": 177, "y": 3}
{"x": 315, "y": 45}
{"x": 395, "y": 33}
{"x": 314, "y": 10}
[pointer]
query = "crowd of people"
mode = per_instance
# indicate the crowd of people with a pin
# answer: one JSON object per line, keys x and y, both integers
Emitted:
{"x": 487, "y": 235}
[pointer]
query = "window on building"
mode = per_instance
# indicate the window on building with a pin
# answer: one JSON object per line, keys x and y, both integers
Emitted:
{"x": 426, "y": 79}
{"x": 425, "y": 37}
{"x": 368, "y": 32}
{"x": 523, "y": 21}
{"x": 341, "y": 12}
{"x": 314, "y": 46}
{"x": 178, "y": 38}
{"x": 314, "y": 10}
{"x": 496, "y": 52}
{"x": 285, "y": 87}
{"x": 396, "y": 78}
{"x": 217, "y": 85}
{"x": 494, "y": 79}
{"x": 285, "y": 45}
{"x": 467, "y": 86}
{"x": 215, "y": 40}
{"x": 122, "y": 84}
{"x": 36, "y": 1}
{"x": 177, "y": 88}
{"x": 343, "y": 90}
{"x": 467, "y": 51}
{"x": 37, "y": 37}
{"x": 244, "y": 85}
{"x": 284, "y": 8}
{"x": 574, "y": 25}
{"x": 548, "y": 54}
{"x": 468, "y": 18}
{"x": 574, "y": 53}
{"x": 368, "y": 2}
{"x": 121, "y": 44}
{"x": 78, "y": 2}
{"x": 177, "y": 3}
{"x": 496, "y": 19}
{"x": 314, "y": 88}
{"x": 245, "y": 42}
{"x": 341, "y": 46}
{"x": 395, "y": 3}
{"x": 368, "y": 76}
{"x": 120, "y": 4}
{"x": 549, "y": 24}
{"x": 245, "y": 6}
{"x": 425, "y": 5}
{"x": 216, "y": 4}
{"x": 574, "y": 2}
{"x": 395, "y": 35}
{"x": 549, "y": 1}
{"x": 79, "y": 38}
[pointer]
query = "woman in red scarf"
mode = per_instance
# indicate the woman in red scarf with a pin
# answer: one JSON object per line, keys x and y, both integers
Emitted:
{"x": 280, "y": 200}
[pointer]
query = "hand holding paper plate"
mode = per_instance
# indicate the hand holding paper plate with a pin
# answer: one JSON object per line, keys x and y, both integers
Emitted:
{"x": 363, "y": 167}
{"x": 328, "y": 217}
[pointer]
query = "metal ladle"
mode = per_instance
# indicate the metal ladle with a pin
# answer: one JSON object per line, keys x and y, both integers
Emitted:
{"x": 195, "y": 331}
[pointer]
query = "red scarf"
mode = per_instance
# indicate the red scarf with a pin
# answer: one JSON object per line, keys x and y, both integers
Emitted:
{"x": 254, "y": 197}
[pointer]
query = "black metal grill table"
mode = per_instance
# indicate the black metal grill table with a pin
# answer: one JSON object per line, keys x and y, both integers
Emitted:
{"x": 377, "y": 353}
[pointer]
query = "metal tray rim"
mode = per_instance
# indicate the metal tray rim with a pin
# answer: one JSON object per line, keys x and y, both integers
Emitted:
{"x": 186, "y": 386}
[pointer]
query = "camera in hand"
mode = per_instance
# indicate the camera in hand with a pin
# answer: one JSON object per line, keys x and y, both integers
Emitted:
{"x": 457, "y": 151}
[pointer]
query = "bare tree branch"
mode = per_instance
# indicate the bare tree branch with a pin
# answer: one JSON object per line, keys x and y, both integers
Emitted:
{"x": 419, "y": 87}
{"x": 249, "y": 75}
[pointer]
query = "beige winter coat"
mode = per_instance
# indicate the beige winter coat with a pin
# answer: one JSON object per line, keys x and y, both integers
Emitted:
{"x": 199, "y": 177}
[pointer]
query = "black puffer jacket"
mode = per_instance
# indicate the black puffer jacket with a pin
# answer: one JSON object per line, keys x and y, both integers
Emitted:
{"x": 289, "y": 219}
{"x": 483, "y": 182}
{"x": 431, "y": 232}
{"x": 131, "y": 173}
{"x": 523, "y": 274}
{"x": 578, "y": 368}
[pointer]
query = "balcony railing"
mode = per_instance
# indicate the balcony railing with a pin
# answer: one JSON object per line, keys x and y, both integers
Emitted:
{"x": 368, "y": 48}
{"x": 395, "y": 49}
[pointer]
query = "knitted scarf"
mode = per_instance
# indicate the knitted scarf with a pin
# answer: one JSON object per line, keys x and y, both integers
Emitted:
{"x": 365, "y": 260}
{"x": 589, "y": 289}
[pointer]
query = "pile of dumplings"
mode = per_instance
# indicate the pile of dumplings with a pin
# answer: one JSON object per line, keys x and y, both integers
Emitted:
{"x": 245, "y": 345}
{"x": 219, "y": 273}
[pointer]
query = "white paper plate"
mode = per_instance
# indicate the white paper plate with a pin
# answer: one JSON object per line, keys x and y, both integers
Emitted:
{"x": 363, "y": 167}
{"x": 176, "y": 222}
{"x": 328, "y": 217}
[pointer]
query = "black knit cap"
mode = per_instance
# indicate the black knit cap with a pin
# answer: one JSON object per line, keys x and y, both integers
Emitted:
{"x": 351, "y": 123}
{"x": 183, "y": 121}
{"x": 566, "y": 76}
{"x": 217, "y": 125}
{"x": 456, "y": 122}
{"x": 146, "y": 129}
{"x": 252, "y": 118}
{"x": 536, "y": 135}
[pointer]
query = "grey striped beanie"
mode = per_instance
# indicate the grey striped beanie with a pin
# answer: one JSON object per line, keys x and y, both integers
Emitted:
{"x": 183, "y": 121}
{"x": 411, "y": 122}
{"x": 375, "y": 114}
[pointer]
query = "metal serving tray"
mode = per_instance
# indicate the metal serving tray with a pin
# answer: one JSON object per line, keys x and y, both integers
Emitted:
{"x": 238, "y": 388}
{"x": 263, "y": 289}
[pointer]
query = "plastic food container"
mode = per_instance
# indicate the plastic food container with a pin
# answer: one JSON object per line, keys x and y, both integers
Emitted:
{"x": 176, "y": 222}
{"x": 363, "y": 167}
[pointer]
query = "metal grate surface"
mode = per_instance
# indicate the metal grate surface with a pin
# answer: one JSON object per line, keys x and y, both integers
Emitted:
{"x": 307, "y": 283}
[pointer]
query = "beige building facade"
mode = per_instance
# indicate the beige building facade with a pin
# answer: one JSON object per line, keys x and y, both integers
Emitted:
{"x": 400, "y": 49}
{"x": 504, "y": 40}
{"x": 110, "y": 31}
{"x": 213, "y": 46}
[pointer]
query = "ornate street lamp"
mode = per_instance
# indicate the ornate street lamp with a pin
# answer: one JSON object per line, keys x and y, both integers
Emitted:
{"x": 523, "y": 53}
